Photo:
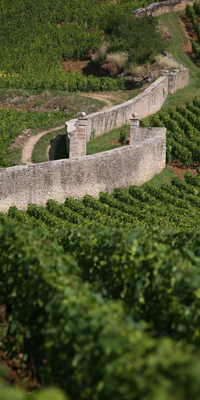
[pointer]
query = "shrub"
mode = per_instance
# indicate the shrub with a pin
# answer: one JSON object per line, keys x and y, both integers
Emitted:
{"x": 118, "y": 59}
{"x": 123, "y": 137}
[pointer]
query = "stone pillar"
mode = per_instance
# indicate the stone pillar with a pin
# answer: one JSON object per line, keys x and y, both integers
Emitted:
{"x": 78, "y": 139}
{"x": 172, "y": 81}
{"x": 134, "y": 129}
{"x": 67, "y": 140}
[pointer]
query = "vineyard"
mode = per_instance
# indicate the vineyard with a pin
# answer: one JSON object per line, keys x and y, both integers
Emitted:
{"x": 193, "y": 13}
{"x": 94, "y": 305}
{"x": 183, "y": 132}
{"x": 101, "y": 295}
{"x": 182, "y": 123}
{"x": 174, "y": 205}
{"x": 37, "y": 36}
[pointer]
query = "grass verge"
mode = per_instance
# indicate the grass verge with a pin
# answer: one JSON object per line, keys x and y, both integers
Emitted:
{"x": 172, "y": 22}
{"x": 164, "y": 177}
{"x": 107, "y": 141}
{"x": 40, "y": 150}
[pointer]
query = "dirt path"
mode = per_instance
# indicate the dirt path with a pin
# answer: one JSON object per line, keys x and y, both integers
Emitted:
{"x": 31, "y": 142}
{"x": 28, "y": 148}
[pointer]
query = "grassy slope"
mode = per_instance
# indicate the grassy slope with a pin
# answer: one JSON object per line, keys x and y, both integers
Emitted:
{"x": 172, "y": 22}
{"x": 107, "y": 141}
{"x": 40, "y": 150}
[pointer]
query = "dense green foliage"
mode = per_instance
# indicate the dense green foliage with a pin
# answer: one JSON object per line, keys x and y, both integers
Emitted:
{"x": 36, "y": 36}
{"x": 104, "y": 313}
{"x": 107, "y": 312}
{"x": 183, "y": 131}
{"x": 89, "y": 344}
{"x": 8, "y": 392}
{"x": 190, "y": 12}
{"x": 120, "y": 25}
{"x": 174, "y": 205}
{"x": 62, "y": 81}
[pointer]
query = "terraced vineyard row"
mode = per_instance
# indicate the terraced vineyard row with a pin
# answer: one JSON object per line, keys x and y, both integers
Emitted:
{"x": 191, "y": 12}
{"x": 102, "y": 296}
{"x": 183, "y": 131}
{"x": 173, "y": 205}
{"x": 98, "y": 305}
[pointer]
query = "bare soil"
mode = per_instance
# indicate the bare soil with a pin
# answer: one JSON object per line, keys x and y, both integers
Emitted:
{"x": 18, "y": 373}
{"x": 191, "y": 35}
{"x": 74, "y": 66}
{"x": 180, "y": 169}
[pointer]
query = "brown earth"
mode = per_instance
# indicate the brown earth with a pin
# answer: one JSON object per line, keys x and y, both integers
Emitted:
{"x": 74, "y": 66}
{"x": 18, "y": 372}
{"x": 180, "y": 169}
{"x": 190, "y": 35}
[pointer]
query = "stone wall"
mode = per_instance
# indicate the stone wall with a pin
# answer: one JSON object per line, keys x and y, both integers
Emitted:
{"x": 163, "y": 7}
{"x": 145, "y": 104}
{"x": 122, "y": 167}
{"x": 129, "y": 165}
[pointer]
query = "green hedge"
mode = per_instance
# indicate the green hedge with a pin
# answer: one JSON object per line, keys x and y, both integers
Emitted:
{"x": 62, "y": 81}
{"x": 88, "y": 345}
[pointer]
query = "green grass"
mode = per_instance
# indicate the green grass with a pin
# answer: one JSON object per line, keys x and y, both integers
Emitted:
{"x": 40, "y": 150}
{"x": 172, "y": 22}
{"x": 102, "y": 143}
{"x": 50, "y": 100}
{"x": 164, "y": 177}
{"x": 122, "y": 97}
{"x": 15, "y": 155}
{"x": 107, "y": 141}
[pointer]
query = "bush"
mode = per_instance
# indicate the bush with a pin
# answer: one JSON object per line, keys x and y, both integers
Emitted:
{"x": 123, "y": 137}
{"x": 120, "y": 25}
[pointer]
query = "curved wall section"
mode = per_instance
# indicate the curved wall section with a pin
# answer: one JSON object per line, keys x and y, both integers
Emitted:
{"x": 145, "y": 104}
{"x": 122, "y": 167}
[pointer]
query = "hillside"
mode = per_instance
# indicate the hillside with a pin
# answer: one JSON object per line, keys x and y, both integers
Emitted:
{"x": 37, "y": 37}
{"x": 99, "y": 297}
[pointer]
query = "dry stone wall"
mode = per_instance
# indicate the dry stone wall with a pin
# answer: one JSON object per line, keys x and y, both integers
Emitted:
{"x": 134, "y": 164}
{"x": 145, "y": 104}
{"x": 122, "y": 167}
{"x": 163, "y": 7}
